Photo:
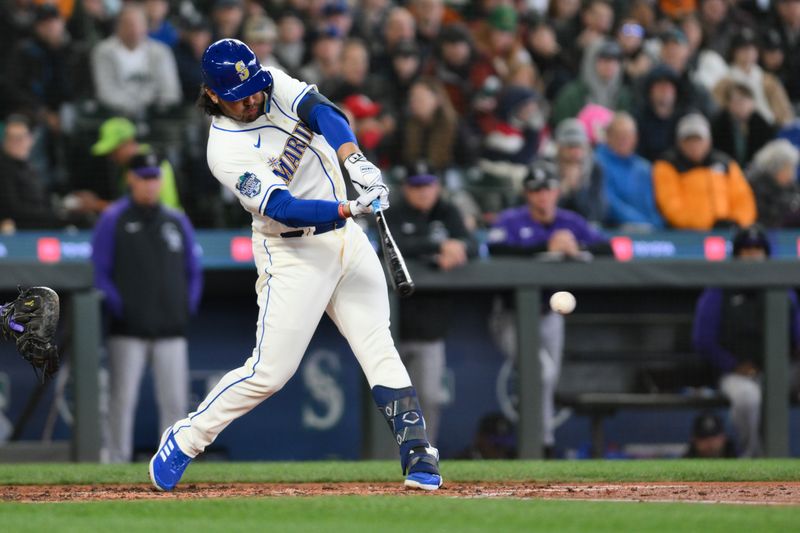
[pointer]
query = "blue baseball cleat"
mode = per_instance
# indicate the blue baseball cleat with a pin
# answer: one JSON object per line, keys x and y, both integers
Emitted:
{"x": 423, "y": 469}
{"x": 423, "y": 481}
{"x": 168, "y": 463}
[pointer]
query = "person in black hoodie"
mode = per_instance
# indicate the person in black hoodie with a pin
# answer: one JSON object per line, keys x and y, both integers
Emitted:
{"x": 739, "y": 129}
{"x": 658, "y": 115}
{"x": 431, "y": 230}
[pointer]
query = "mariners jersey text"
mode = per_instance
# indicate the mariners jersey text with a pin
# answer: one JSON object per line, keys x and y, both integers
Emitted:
{"x": 296, "y": 145}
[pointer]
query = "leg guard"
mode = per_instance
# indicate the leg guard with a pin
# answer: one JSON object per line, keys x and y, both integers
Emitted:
{"x": 400, "y": 408}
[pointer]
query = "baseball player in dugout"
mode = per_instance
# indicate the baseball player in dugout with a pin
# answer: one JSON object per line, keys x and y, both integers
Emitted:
{"x": 728, "y": 333}
{"x": 277, "y": 144}
{"x": 542, "y": 231}
{"x": 430, "y": 229}
{"x": 146, "y": 266}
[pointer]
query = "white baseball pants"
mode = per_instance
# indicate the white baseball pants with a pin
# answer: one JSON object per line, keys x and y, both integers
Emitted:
{"x": 300, "y": 278}
{"x": 744, "y": 393}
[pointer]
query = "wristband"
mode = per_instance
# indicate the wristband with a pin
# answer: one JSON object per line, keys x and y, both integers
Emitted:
{"x": 342, "y": 214}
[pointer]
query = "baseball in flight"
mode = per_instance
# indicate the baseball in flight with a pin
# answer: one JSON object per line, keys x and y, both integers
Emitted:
{"x": 562, "y": 302}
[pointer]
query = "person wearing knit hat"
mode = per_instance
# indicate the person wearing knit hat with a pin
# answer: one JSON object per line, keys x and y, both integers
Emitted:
{"x": 498, "y": 38}
{"x": 503, "y": 18}
{"x": 582, "y": 181}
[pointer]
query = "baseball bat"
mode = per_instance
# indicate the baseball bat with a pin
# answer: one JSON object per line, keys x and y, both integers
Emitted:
{"x": 392, "y": 258}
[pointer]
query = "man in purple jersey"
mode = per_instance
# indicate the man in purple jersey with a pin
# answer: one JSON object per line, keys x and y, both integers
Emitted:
{"x": 540, "y": 226}
{"x": 728, "y": 332}
{"x": 541, "y": 229}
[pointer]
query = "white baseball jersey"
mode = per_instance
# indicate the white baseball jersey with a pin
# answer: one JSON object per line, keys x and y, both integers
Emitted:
{"x": 276, "y": 151}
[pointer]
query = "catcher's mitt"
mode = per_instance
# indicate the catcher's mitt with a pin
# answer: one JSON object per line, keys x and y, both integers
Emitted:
{"x": 32, "y": 320}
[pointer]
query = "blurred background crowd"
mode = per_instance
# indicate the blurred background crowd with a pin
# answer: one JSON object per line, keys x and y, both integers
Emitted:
{"x": 654, "y": 113}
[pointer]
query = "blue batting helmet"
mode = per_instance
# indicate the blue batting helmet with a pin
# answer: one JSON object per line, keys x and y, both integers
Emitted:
{"x": 232, "y": 70}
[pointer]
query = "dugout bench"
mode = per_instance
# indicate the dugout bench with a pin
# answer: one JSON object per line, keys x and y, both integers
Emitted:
{"x": 634, "y": 359}
{"x": 526, "y": 279}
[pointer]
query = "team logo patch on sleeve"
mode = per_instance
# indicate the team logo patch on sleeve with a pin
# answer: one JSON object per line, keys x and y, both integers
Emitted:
{"x": 249, "y": 185}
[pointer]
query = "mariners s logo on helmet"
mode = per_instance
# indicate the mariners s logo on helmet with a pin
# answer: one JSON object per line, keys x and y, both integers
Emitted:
{"x": 241, "y": 68}
{"x": 249, "y": 185}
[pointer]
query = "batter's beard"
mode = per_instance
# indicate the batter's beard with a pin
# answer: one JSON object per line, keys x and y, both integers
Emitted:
{"x": 257, "y": 114}
{"x": 243, "y": 116}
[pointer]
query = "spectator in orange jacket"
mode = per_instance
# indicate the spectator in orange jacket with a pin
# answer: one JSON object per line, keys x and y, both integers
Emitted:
{"x": 699, "y": 188}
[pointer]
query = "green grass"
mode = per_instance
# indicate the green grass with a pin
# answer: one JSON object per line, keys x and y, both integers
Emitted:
{"x": 330, "y": 471}
{"x": 346, "y": 514}
{"x": 392, "y": 513}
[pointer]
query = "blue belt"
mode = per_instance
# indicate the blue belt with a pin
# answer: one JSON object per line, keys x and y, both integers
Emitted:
{"x": 318, "y": 230}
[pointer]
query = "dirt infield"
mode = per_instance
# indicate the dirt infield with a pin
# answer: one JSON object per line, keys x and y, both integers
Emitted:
{"x": 765, "y": 493}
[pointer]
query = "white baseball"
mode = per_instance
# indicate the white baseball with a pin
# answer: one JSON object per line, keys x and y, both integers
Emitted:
{"x": 563, "y": 302}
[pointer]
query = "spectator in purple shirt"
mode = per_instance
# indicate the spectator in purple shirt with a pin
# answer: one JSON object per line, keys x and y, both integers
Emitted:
{"x": 146, "y": 266}
{"x": 536, "y": 228}
{"x": 728, "y": 331}
{"x": 541, "y": 226}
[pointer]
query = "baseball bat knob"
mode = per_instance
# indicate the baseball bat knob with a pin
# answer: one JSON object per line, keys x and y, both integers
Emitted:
{"x": 405, "y": 289}
{"x": 376, "y": 205}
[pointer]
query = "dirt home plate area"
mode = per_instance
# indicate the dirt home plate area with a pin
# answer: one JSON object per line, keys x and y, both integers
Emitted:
{"x": 763, "y": 493}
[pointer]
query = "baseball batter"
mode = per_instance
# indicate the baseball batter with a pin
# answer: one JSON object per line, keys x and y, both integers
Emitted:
{"x": 276, "y": 143}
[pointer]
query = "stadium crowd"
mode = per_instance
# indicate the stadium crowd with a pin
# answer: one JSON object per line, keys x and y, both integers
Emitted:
{"x": 656, "y": 113}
